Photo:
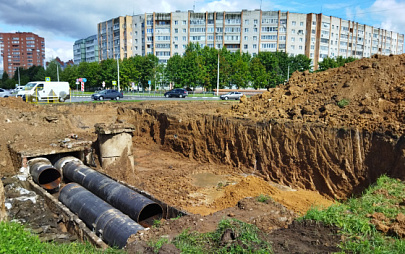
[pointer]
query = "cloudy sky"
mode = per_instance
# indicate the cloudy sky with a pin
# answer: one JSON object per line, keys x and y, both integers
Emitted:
{"x": 61, "y": 23}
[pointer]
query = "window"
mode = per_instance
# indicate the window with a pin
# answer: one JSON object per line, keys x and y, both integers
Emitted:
{"x": 282, "y": 38}
{"x": 184, "y": 38}
{"x": 246, "y": 30}
{"x": 255, "y": 21}
{"x": 269, "y": 37}
{"x": 176, "y": 30}
{"x": 293, "y": 39}
{"x": 301, "y": 40}
{"x": 292, "y": 46}
{"x": 245, "y": 38}
{"x": 246, "y": 22}
{"x": 269, "y": 45}
{"x": 254, "y": 46}
{"x": 255, "y": 38}
{"x": 176, "y": 38}
{"x": 301, "y": 23}
{"x": 300, "y": 47}
{"x": 293, "y": 31}
{"x": 184, "y": 22}
{"x": 176, "y": 22}
{"x": 245, "y": 46}
{"x": 293, "y": 23}
{"x": 255, "y": 30}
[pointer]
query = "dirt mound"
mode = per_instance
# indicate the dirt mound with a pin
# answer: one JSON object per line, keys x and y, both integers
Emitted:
{"x": 367, "y": 93}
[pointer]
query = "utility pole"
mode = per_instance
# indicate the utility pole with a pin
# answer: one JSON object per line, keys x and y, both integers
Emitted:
{"x": 218, "y": 76}
{"x": 18, "y": 68}
{"x": 57, "y": 71}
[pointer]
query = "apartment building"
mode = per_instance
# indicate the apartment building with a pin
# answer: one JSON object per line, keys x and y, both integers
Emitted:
{"x": 86, "y": 50}
{"x": 315, "y": 35}
{"x": 115, "y": 38}
{"x": 21, "y": 49}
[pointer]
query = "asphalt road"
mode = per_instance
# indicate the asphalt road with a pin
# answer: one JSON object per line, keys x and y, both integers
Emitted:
{"x": 129, "y": 97}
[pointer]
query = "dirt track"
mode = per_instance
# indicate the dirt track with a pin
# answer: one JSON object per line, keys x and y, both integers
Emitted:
{"x": 293, "y": 143}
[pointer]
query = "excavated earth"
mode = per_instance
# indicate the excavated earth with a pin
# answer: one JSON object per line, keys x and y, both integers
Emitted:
{"x": 319, "y": 137}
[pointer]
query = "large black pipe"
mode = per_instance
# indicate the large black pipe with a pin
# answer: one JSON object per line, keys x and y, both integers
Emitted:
{"x": 44, "y": 174}
{"x": 110, "y": 224}
{"x": 135, "y": 205}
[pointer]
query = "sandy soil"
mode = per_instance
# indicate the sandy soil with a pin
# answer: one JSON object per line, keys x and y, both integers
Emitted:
{"x": 211, "y": 159}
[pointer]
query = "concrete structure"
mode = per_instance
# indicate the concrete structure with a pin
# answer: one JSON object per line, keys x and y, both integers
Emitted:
{"x": 315, "y": 35}
{"x": 115, "y": 144}
{"x": 86, "y": 50}
{"x": 21, "y": 50}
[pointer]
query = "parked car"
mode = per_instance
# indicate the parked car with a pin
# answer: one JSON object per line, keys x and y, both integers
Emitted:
{"x": 231, "y": 95}
{"x": 5, "y": 93}
{"x": 177, "y": 92}
{"x": 107, "y": 94}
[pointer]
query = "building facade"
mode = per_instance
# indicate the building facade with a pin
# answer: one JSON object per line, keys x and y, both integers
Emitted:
{"x": 315, "y": 35}
{"x": 115, "y": 38}
{"x": 86, "y": 50}
{"x": 21, "y": 50}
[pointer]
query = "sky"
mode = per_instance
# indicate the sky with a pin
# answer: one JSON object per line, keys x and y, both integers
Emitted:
{"x": 61, "y": 23}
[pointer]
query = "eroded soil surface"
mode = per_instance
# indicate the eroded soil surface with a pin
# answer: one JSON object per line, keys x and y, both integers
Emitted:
{"x": 319, "y": 137}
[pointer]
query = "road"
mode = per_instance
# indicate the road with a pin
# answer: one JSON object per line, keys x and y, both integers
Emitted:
{"x": 129, "y": 97}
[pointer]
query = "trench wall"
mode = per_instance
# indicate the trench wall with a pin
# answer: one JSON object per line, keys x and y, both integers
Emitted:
{"x": 335, "y": 162}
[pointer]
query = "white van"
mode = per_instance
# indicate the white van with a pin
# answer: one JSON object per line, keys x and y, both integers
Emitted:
{"x": 45, "y": 91}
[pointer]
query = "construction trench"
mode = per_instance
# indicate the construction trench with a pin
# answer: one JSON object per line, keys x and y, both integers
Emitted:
{"x": 208, "y": 160}
{"x": 90, "y": 204}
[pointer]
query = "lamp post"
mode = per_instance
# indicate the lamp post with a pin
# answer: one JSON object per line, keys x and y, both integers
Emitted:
{"x": 218, "y": 76}
{"x": 18, "y": 68}
{"x": 118, "y": 68}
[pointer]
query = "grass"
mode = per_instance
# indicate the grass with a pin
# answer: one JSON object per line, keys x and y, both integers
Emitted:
{"x": 245, "y": 239}
{"x": 343, "y": 103}
{"x": 15, "y": 238}
{"x": 353, "y": 215}
{"x": 263, "y": 198}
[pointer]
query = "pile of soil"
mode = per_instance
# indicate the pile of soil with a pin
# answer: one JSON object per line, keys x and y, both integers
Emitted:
{"x": 373, "y": 89}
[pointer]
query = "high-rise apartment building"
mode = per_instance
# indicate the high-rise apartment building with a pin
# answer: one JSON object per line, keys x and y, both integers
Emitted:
{"x": 315, "y": 35}
{"x": 86, "y": 50}
{"x": 115, "y": 38}
{"x": 21, "y": 50}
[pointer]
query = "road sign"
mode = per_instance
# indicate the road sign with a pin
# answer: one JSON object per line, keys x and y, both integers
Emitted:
{"x": 103, "y": 84}
{"x": 84, "y": 79}
{"x": 82, "y": 86}
{"x": 48, "y": 79}
{"x": 149, "y": 82}
{"x": 80, "y": 80}
{"x": 114, "y": 83}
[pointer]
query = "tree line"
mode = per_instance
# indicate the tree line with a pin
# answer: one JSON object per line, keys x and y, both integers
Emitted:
{"x": 197, "y": 67}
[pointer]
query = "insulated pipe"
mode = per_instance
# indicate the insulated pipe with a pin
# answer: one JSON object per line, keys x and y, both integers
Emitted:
{"x": 135, "y": 205}
{"x": 44, "y": 174}
{"x": 110, "y": 224}
{"x": 60, "y": 163}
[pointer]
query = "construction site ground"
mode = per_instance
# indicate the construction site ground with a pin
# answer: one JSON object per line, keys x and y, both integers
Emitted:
{"x": 320, "y": 137}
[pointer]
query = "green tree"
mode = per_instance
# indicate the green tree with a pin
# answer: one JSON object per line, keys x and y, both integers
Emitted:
{"x": 175, "y": 70}
{"x": 258, "y": 73}
{"x": 241, "y": 74}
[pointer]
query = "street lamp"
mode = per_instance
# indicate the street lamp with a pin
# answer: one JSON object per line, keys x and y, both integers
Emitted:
{"x": 118, "y": 69}
{"x": 218, "y": 76}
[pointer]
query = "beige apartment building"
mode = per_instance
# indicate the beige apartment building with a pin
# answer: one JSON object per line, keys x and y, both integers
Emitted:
{"x": 315, "y": 35}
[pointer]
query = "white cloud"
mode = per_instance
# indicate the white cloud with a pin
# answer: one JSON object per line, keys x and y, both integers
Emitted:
{"x": 390, "y": 14}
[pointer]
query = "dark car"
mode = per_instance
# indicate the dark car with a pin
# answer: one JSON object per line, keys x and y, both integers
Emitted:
{"x": 177, "y": 92}
{"x": 107, "y": 94}
{"x": 232, "y": 96}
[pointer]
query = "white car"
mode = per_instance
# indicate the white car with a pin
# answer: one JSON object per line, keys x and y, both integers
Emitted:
{"x": 232, "y": 95}
{"x": 5, "y": 93}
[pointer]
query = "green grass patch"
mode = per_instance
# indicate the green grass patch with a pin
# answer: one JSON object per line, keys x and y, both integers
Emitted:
{"x": 242, "y": 238}
{"x": 15, "y": 238}
{"x": 263, "y": 198}
{"x": 353, "y": 217}
{"x": 343, "y": 103}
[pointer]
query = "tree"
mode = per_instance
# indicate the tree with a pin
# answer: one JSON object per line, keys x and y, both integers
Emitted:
{"x": 241, "y": 75}
{"x": 258, "y": 73}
